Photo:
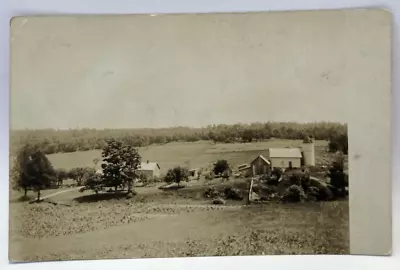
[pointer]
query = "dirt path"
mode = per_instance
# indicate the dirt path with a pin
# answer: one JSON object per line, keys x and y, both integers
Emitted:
{"x": 60, "y": 192}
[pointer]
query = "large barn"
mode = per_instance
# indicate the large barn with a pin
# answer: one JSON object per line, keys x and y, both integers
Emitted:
{"x": 285, "y": 157}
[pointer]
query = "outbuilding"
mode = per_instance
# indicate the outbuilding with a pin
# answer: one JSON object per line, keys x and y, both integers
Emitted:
{"x": 149, "y": 169}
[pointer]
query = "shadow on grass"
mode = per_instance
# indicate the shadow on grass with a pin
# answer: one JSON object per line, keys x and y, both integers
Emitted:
{"x": 22, "y": 199}
{"x": 101, "y": 197}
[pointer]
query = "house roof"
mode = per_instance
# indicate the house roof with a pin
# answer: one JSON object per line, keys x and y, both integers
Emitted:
{"x": 263, "y": 158}
{"x": 148, "y": 166}
{"x": 285, "y": 153}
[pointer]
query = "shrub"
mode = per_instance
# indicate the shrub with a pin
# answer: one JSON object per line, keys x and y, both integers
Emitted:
{"x": 221, "y": 166}
{"x": 211, "y": 193}
{"x": 294, "y": 193}
{"x": 177, "y": 175}
{"x": 233, "y": 194}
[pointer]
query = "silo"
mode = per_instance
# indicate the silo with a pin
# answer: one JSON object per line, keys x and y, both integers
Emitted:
{"x": 308, "y": 153}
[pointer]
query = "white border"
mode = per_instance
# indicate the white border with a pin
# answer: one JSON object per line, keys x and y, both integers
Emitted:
{"x": 10, "y": 8}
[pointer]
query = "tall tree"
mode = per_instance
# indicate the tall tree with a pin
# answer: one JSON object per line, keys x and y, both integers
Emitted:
{"x": 33, "y": 170}
{"x": 120, "y": 164}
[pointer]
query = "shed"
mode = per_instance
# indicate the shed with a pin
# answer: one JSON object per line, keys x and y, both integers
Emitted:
{"x": 285, "y": 157}
{"x": 260, "y": 165}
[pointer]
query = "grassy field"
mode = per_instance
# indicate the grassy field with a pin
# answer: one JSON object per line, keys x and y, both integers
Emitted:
{"x": 178, "y": 223}
{"x": 193, "y": 155}
{"x": 173, "y": 224}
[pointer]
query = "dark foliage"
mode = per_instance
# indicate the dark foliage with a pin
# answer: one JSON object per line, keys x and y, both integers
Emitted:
{"x": 177, "y": 175}
{"x": 54, "y": 141}
{"x": 233, "y": 194}
{"x": 338, "y": 178}
{"x": 339, "y": 143}
{"x": 33, "y": 170}
{"x": 221, "y": 167}
{"x": 61, "y": 175}
{"x": 294, "y": 193}
{"x": 120, "y": 164}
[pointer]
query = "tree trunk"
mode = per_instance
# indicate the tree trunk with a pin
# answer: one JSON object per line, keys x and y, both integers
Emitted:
{"x": 26, "y": 192}
{"x": 129, "y": 186}
{"x": 116, "y": 187}
{"x": 38, "y": 195}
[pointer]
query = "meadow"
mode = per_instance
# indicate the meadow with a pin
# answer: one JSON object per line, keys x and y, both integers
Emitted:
{"x": 200, "y": 154}
{"x": 179, "y": 223}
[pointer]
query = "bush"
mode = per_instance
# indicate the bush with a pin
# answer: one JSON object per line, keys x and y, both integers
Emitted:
{"x": 294, "y": 193}
{"x": 211, "y": 193}
{"x": 221, "y": 166}
{"x": 233, "y": 194}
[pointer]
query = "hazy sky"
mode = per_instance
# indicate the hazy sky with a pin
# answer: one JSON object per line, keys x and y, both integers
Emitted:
{"x": 191, "y": 70}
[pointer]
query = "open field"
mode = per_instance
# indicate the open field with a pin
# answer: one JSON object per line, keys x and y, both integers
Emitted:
{"x": 178, "y": 223}
{"x": 173, "y": 224}
{"x": 192, "y": 154}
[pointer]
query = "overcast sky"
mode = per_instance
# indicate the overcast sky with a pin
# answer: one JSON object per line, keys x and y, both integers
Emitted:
{"x": 188, "y": 70}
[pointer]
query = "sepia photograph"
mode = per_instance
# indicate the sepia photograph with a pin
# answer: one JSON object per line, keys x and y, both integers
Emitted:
{"x": 184, "y": 135}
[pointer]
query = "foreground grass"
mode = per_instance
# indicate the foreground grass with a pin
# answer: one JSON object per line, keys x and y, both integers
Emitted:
{"x": 175, "y": 228}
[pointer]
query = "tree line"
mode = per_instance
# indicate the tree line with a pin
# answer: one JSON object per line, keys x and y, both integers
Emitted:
{"x": 52, "y": 141}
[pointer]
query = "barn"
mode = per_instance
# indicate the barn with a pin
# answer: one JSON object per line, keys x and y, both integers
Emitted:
{"x": 285, "y": 157}
{"x": 260, "y": 165}
{"x": 149, "y": 169}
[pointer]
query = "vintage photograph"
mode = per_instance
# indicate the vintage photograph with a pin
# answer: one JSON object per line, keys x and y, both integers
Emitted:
{"x": 181, "y": 135}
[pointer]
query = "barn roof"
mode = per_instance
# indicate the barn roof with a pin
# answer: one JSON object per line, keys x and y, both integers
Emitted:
{"x": 284, "y": 153}
{"x": 263, "y": 158}
{"x": 148, "y": 166}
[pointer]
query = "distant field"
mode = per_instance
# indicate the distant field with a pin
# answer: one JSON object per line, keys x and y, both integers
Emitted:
{"x": 193, "y": 155}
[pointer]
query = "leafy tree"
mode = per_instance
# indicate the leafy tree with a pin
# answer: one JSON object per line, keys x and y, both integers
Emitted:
{"x": 221, "y": 166}
{"x": 121, "y": 163}
{"x": 33, "y": 170}
{"x": 248, "y": 135}
{"x": 177, "y": 175}
{"x": 336, "y": 174}
{"x": 80, "y": 174}
{"x": 61, "y": 176}
{"x": 93, "y": 182}
{"x": 339, "y": 143}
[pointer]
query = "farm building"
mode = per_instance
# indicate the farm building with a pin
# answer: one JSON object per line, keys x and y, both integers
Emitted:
{"x": 285, "y": 157}
{"x": 150, "y": 169}
{"x": 260, "y": 165}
